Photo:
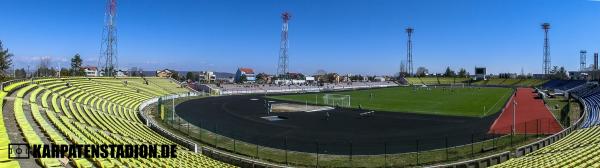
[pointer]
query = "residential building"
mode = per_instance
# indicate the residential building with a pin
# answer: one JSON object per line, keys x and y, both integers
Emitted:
{"x": 244, "y": 75}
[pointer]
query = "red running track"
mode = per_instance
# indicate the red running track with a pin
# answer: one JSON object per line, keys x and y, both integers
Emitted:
{"x": 532, "y": 116}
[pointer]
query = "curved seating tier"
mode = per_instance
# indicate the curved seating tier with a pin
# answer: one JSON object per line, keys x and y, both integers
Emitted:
{"x": 562, "y": 84}
{"x": 579, "y": 149}
{"x": 510, "y": 82}
{"x": 94, "y": 111}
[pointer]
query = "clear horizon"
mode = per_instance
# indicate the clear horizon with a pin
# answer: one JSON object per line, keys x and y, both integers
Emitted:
{"x": 354, "y": 36}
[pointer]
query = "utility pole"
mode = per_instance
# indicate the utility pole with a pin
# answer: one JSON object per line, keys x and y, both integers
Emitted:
{"x": 514, "y": 116}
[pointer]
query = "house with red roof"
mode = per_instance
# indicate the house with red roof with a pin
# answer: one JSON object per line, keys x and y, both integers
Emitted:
{"x": 244, "y": 75}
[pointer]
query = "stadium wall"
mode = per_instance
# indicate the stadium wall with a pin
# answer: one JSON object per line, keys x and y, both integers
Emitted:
{"x": 480, "y": 162}
{"x": 237, "y": 160}
{"x": 319, "y": 89}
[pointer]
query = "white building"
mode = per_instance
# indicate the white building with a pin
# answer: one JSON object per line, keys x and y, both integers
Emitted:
{"x": 121, "y": 73}
{"x": 90, "y": 71}
{"x": 248, "y": 73}
{"x": 207, "y": 77}
{"x": 309, "y": 79}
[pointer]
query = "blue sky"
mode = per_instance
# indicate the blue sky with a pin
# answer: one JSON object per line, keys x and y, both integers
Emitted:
{"x": 345, "y": 36}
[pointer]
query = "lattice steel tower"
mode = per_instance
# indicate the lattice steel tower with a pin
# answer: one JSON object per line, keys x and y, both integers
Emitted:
{"x": 582, "y": 60}
{"x": 409, "y": 57}
{"x": 282, "y": 67}
{"x": 107, "y": 62}
{"x": 546, "y": 66}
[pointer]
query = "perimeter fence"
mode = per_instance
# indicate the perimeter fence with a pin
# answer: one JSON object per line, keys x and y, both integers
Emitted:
{"x": 344, "y": 153}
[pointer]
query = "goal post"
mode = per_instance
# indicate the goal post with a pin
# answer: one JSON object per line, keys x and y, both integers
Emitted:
{"x": 337, "y": 100}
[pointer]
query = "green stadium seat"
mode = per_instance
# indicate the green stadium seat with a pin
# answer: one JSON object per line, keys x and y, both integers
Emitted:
{"x": 100, "y": 110}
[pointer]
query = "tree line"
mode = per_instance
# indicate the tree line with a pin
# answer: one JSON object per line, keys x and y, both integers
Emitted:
{"x": 422, "y": 72}
{"x": 43, "y": 69}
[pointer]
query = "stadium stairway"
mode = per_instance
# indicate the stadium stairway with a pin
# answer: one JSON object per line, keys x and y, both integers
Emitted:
{"x": 90, "y": 111}
{"x": 9, "y": 129}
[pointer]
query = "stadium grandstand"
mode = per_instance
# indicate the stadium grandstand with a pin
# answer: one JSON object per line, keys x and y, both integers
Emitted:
{"x": 434, "y": 80}
{"x": 341, "y": 89}
{"x": 87, "y": 111}
{"x": 562, "y": 84}
{"x": 232, "y": 89}
{"x": 82, "y": 110}
{"x": 489, "y": 82}
{"x": 511, "y": 82}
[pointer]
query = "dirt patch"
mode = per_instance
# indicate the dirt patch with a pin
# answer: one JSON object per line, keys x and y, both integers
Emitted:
{"x": 290, "y": 107}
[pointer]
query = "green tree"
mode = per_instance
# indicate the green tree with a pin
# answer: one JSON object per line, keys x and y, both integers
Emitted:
{"x": 64, "y": 72}
{"x": 175, "y": 75}
{"x": 243, "y": 79}
{"x": 5, "y": 61}
{"x": 371, "y": 78}
{"x": 331, "y": 77}
{"x": 356, "y": 78}
{"x": 295, "y": 76}
{"x": 189, "y": 76}
{"x": 462, "y": 73}
{"x": 449, "y": 72}
{"x": 261, "y": 78}
{"x": 559, "y": 73}
{"x": 76, "y": 63}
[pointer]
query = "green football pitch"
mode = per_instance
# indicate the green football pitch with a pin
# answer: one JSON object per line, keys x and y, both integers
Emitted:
{"x": 471, "y": 102}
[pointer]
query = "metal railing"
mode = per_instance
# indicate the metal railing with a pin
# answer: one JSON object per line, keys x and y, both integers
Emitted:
{"x": 154, "y": 126}
{"x": 230, "y": 141}
{"x": 523, "y": 150}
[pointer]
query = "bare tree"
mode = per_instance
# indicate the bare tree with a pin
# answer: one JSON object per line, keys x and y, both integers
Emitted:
{"x": 403, "y": 72}
{"x": 422, "y": 71}
{"x": 321, "y": 72}
{"x": 44, "y": 68}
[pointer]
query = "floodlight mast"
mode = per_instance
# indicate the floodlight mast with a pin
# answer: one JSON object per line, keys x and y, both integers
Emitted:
{"x": 547, "y": 62}
{"x": 409, "y": 55}
{"x": 107, "y": 61}
{"x": 582, "y": 59}
{"x": 282, "y": 66}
